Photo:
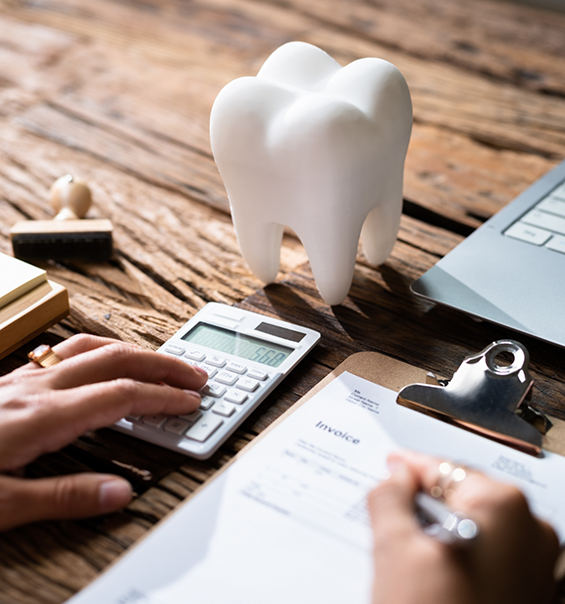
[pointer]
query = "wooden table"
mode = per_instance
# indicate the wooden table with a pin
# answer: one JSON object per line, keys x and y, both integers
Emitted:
{"x": 119, "y": 93}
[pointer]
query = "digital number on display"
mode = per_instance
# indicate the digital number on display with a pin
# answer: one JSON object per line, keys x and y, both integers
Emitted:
{"x": 231, "y": 342}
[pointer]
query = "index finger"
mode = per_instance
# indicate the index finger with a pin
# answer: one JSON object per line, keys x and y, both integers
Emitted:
{"x": 391, "y": 503}
{"x": 117, "y": 360}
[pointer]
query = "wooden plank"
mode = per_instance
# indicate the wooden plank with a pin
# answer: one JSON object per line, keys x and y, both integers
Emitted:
{"x": 462, "y": 179}
{"x": 168, "y": 165}
{"x": 110, "y": 119}
{"x": 530, "y": 121}
{"x": 509, "y": 42}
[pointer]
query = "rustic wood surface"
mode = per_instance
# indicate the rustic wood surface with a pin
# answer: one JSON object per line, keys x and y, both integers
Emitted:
{"x": 118, "y": 92}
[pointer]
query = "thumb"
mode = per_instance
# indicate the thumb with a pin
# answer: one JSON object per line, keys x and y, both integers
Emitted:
{"x": 391, "y": 503}
{"x": 73, "y": 496}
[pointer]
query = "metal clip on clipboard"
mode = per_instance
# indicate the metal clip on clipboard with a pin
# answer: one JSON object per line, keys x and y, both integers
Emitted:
{"x": 487, "y": 397}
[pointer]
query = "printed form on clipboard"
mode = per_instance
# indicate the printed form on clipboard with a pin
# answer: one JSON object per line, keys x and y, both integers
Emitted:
{"x": 287, "y": 521}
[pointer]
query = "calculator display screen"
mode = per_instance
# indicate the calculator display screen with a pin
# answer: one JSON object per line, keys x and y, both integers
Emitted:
{"x": 232, "y": 342}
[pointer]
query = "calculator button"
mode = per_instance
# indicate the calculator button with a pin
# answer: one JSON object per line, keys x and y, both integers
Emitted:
{"x": 224, "y": 409}
{"x": 207, "y": 402}
{"x": 215, "y": 390}
{"x": 176, "y": 426}
{"x": 195, "y": 355}
{"x": 257, "y": 374}
{"x": 204, "y": 427}
{"x": 133, "y": 418}
{"x": 236, "y": 367}
{"x": 227, "y": 378}
{"x": 211, "y": 371}
{"x": 235, "y": 396}
{"x": 174, "y": 349}
{"x": 156, "y": 421}
{"x": 247, "y": 384}
{"x": 191, "y": 417}
{"x": 215, "y": 360}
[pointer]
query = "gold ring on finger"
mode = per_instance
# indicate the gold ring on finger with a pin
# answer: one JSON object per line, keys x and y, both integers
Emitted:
{"x": 449, "y": 476}
{"x": 44, "y": 356}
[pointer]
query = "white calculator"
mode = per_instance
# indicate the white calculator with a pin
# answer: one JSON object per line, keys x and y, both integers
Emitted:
{"x": 245, "y": 354}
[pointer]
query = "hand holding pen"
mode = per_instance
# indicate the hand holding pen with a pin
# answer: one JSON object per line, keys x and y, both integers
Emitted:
{"x": 437, "y": 518}
{"x": 510, "y": 561}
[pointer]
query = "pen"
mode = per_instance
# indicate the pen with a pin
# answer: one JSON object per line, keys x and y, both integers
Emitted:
{"x": 443, "y": 524}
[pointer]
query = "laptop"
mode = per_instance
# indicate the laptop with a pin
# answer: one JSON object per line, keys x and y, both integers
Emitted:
{"x": 511, "y": 270}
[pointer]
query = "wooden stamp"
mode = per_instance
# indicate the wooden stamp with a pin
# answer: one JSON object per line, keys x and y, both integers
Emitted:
{"x": 68, "y": 236}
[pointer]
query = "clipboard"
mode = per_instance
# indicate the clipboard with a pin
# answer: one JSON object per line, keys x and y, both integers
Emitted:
{"x": 201, "y": 516}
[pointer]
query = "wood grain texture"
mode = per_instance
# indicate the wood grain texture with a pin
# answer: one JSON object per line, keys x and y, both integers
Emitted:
{"x": 512, "y": 43}
{"x": 118, "y": 93}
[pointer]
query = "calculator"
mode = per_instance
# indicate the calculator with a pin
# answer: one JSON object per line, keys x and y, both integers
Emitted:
{"x": 245, "y": 355}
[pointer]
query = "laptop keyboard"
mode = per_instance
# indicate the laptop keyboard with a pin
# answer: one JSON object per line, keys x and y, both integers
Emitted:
{"x": 544, "y": 224}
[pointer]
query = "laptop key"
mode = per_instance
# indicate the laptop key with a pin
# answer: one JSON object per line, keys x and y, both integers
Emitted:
{"x": 528, "y": 233}
{"x": 557, "y": 244}
{"x": 545, "y": 220}
{"x": 553, "y": 205}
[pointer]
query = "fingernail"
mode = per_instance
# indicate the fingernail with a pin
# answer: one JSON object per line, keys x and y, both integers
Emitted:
{"x": 201, "y": 371}
{"x": 397, "y": 466}
{"x": 385, "y": 475}
{"x": 114, "y": 494}
{"x": 193, "y": 394}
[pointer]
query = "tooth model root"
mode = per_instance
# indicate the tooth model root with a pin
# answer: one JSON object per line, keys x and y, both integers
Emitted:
{"x": 319, "y": 148}
{"x": 260, "y": 244}
{"x": 332, "y": 260}
{"x": 381, "y": 226}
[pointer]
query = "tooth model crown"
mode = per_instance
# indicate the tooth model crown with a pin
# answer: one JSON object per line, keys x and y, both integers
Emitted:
{"x": 319, "y": 148}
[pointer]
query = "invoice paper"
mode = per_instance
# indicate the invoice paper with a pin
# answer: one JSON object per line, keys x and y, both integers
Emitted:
{"x": 287, "y": 522}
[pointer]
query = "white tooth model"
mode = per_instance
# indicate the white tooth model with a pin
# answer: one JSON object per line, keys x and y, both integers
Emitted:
{"x": 319, "y": 148}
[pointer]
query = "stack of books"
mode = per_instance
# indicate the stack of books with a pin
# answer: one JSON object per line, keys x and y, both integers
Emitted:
{"x": 29, "y": 303}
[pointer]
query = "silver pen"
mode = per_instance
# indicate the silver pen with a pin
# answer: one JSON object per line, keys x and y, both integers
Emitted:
{"x": 443, "y": 524}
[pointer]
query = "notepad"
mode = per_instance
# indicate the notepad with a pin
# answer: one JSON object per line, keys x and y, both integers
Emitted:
{"x": 287, "y": 521}
{"x": 17, "y": 278}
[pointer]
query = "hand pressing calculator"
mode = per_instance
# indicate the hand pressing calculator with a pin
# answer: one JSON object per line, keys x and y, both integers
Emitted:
{"x": 245, "y": 354}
